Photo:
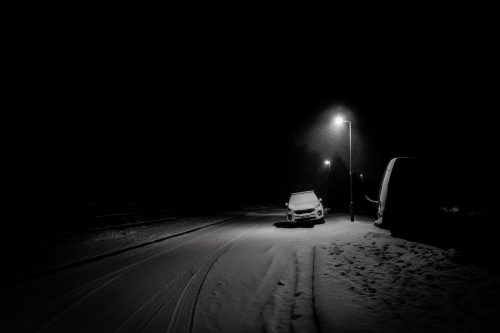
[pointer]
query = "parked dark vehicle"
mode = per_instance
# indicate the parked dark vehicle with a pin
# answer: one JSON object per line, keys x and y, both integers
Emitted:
{"x": 398, "y": 202}
{"x": 428, "y": 201}
{"x": 412, "y": 197}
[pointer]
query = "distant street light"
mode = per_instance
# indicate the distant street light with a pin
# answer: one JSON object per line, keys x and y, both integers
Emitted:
{"x": 339, "y": 120}
{"x": 327, "y": 162}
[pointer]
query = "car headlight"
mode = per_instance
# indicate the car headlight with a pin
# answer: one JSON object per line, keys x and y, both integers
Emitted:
{"x": 318, "y": 205}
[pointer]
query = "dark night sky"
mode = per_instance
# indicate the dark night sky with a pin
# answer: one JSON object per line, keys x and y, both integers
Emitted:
{"x": 123, "y": 116}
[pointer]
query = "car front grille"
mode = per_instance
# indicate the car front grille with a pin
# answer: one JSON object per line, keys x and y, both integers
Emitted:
{"x": 304, "y": 211}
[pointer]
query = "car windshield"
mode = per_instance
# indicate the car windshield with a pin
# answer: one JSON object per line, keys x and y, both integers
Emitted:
{"x": 302, "y": 198}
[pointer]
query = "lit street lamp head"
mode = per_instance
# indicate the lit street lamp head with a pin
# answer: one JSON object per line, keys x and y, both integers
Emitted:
{"x": 339, "y": 120}
{"x": 327, "y": 162}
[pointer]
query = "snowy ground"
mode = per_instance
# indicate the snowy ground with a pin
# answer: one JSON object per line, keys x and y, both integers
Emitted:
{"x": 344, "y": 277}
{"x": 257, "y": 273}
{"x": 367, "y": 280}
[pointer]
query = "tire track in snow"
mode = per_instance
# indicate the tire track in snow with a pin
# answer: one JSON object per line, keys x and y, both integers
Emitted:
{"x": 303, "y": 318}
{"x": 290, "y": 307}
{"x": 80, "y": 298}
{"x": 75, "y": 294}
{"x": 143, "y": 315}
{"x": 182, "y": 317}
{"x": 277, "y": 312}
{"x": 58, "y": 323}
{"x": 68, "y": 301}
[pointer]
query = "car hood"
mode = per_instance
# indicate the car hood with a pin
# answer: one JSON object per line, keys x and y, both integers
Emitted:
{"x": 304, "y": 205}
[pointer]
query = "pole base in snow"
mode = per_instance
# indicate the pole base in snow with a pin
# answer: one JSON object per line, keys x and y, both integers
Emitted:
{"x": 352, "y": 211}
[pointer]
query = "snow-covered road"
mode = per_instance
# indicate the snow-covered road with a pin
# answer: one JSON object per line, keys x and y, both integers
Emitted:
{"x": 254, "y": 274}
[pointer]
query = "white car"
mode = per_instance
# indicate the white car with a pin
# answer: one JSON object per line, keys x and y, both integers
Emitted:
{"x": 304, "y": 206}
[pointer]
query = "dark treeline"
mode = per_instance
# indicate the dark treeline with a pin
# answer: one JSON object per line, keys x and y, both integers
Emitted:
{"x": 212, "y": 183}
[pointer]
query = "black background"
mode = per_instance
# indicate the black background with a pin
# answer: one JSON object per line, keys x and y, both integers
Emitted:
{"x": 177, "y": 113}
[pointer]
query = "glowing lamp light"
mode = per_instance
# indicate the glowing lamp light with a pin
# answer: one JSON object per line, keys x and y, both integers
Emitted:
{"x": 339, "y": 120}
{"x": 327, "y": 162}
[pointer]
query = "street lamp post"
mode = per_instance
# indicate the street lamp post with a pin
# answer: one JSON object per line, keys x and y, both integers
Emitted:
{"x": 328, "y": 180}
{"x": 327, "y": 162}
{"x": 338, "y": 121}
